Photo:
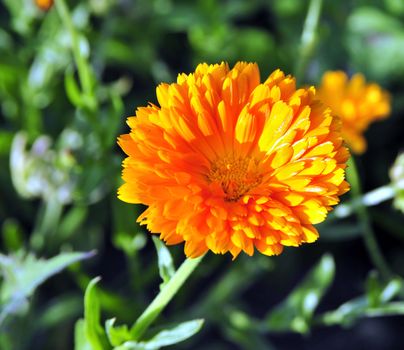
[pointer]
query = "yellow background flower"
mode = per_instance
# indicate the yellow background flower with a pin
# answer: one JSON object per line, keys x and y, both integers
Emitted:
{"x": 229, "y": 164}
{"x": 357, "y": 103}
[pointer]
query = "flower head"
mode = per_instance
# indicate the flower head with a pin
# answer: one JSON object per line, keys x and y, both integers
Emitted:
{"x": 357, "y": 103}
{"x": 229, "y": 164}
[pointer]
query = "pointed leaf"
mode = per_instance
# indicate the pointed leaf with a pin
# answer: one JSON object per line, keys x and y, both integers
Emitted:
{"x": 374, "y": 304}
{"x": 179, "y": 333}
{"x": 116, "y": 334}
{"x": 80, "y": 339}
{"x": 72, "y": 90}
{"x": 24, "y": 273}
{"x": 92, "y": 315}
{"x": 176, "y": 334}
{"x": 165, "y": 261}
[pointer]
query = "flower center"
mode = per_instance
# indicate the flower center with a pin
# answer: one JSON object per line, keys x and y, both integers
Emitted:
{"x": 236, "y": 176}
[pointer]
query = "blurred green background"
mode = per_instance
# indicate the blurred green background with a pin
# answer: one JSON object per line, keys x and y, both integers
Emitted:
{"x": 60, "y": 168}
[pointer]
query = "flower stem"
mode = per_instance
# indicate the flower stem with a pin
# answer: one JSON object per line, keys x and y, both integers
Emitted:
{"x": 363, "y": 215}
{"x": 83, "y": 67}
{"x": 164, "y": 297}
{"x": 308, "y": 39}
{"x": 48, "y": 223}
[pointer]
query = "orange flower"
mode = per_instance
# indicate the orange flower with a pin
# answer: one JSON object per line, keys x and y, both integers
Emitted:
{"x": 357, "y": 103}
{"x": 229, "y": 164}
{"x": 44, "y": 4}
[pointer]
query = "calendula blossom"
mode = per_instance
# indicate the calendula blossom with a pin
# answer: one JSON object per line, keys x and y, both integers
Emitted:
{"x": 356, "y": 102}
{"x": 228, "y": 164}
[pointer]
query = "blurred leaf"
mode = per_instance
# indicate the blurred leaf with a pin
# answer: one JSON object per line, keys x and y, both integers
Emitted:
{"x": 22, "y": 20}
{"x": 128, "y": 235}
{"x": 391, "y": 290}
{"x": 244, "y": 332}
{"x": 12, "y": 235}
{"x": 92, "y": 317}
{"x": 129, "y": 243}
{"x": 116, "y": 334}
{"x": 296, "y": 311}
{"x": 183, "y": 18}
{"x": 350, "y": 312}
{"x": 72, "y": 221}
{"x": 286, "y": 8}
{"x": 347, "y": 313}
{"x": 256, "y": 45}
{"x": 112, "y": 120}
{"x": 372, "y": 20}
{"x": 174, "y": 335}
{"x": 59, "y": 310}
{"x": 374, "y": 304}
{"x": 165, "y": 261}
{"x": 72, "y": 89}
{"x": 6, "y": 138}
{"x": 24, "y": 273}
{"x": 395, "y": 6}
{"x": 374, "y": 288}
{"x": 375, "y": 38}
{"x": 80, "y": 339}
{"x": 6, "y": 41}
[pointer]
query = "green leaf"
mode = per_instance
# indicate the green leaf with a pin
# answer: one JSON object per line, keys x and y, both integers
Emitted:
{"x": 12, "y": 235}
{"x": 395, "y": 6}
{"x": 379, "y": 294}
{"x": 347, "y": 313}
{"x": 374, "y": 288}
{"x": 243, "y": 331}
{"x": 372, "y": 20}
{"x": 59, "y": 310}
{"x": 295, "y": 313}
{"x": 350, "y": 312}
{"x": 92, "y": 317}
{"x": 165, "y": 261}
{"x": 178, "y": 333}
{"x": 391, "y": 290}
{"x": 374, "y": 304}
{"x": 72, "y": 221}
{"x": 72, "y": 89}
{"x": 23, "y": 273}
{"x": 116, "y": 334}
{"x": 375, "y": 38}
{"x": 80, "y": 339}
{"x": 6, "y": 138}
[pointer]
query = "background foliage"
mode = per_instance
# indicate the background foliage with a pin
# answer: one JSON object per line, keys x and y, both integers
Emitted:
{"x": 69, "y": 76}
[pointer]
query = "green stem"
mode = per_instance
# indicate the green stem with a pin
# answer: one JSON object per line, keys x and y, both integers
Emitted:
{"x": 51, "y": 213}
{"x": 164, "y": 297}
{"x": 308, "y": 39}
{"x": 83, "y": 67}
{"x": 363, "y": 215}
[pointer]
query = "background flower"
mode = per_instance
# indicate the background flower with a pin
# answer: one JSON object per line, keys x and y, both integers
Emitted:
{"x": 356, "y": 102}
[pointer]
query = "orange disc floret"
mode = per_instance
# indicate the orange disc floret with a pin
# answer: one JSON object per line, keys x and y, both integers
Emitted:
{"x": 357, "y": 103}
{"x": 229, "y": 164}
